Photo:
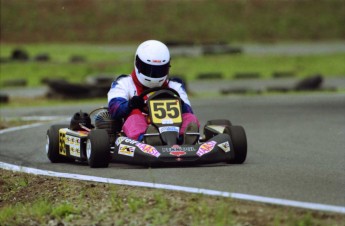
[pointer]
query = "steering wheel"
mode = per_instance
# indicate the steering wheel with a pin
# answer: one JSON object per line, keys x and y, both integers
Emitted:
{"x": 154, "y": 89}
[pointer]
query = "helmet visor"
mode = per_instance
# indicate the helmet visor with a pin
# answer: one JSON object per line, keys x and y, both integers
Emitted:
{"x": 152, "y": 71}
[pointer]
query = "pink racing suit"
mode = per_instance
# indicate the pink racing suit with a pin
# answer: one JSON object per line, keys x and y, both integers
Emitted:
{"x": 124, "y": 88}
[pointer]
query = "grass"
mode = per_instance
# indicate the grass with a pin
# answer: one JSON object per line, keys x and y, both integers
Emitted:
{"x": 99, "y": 60}
{"x": 64, "y": 201}
{"x": 114, "y": 60}
{"x": 198, "y": 21}
{"x": 230, "y": 65}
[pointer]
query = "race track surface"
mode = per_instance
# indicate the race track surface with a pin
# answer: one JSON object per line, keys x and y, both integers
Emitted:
{"x": 296, "y": 148}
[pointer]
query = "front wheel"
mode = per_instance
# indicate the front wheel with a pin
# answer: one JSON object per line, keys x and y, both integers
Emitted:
{"x": 98, "y": 148}
{"x": 239, "y": 141}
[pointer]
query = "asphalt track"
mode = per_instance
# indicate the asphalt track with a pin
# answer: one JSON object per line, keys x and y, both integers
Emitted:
{"x": 296, "y": 148}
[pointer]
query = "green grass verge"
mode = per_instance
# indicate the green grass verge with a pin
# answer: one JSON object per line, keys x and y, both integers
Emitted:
{"x": 113, "y": 60}
{"x": 37, "y": 200}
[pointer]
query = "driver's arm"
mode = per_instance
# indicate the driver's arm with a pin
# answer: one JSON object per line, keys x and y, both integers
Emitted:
{"x": 118, "y": 100}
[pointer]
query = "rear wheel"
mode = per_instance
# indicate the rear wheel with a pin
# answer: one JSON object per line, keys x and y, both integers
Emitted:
{"x": 52, "y": 145}
{"x": 239, "y": 141}
{"x": 98, "y": 148}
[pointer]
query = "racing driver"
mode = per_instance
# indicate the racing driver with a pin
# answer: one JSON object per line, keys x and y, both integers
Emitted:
{"x": 151, "y": 69}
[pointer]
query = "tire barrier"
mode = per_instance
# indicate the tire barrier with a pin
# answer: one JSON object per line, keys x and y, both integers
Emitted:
{"x": 42, "y": 57}
{"x": 77, "y": 59}
{"x": 4, "y": 98}
{"x": 23, "y": 56}
{"x": 214, "y": 48}
{"x": 172, "y": 43}
{"x": 311, "y": 83}
{"x": 100, "y": 80}
{"x": 19, "y": 55}
{"x": 65, "y": 90}
{"x": 95, "y": 87}
{"x": 283, "y": 74}
{"x": 221, "y": 48}
{"x": 279, "y": 89}
{"x": 46, "y": 81}
{"x": 247, "y": 75}
{"x": 15, "y": 83}
{"x": 210, "y": 75}
{"x": 239, "y": 91}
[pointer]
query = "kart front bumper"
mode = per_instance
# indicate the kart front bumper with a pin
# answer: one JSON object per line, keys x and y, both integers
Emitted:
{"x": 217, "y": 149}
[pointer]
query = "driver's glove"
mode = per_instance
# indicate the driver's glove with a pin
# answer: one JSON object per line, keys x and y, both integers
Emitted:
{"x": 136, "y": 102}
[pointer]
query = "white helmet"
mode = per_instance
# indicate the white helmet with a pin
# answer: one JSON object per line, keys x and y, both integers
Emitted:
{"x": 152, "y": 63}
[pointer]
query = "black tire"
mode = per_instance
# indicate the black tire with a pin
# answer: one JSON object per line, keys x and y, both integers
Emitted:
{"x": 239, "y": 140}
{"x": 98, "y": 148}
{"x": 220, "y": 122}
{"x": 52, "y": 145}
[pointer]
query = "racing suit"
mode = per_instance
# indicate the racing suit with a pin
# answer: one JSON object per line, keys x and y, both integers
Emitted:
{"x": 135, "y": 125}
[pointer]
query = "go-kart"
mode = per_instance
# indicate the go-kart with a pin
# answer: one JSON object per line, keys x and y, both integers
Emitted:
{"x": 103, "y": 141}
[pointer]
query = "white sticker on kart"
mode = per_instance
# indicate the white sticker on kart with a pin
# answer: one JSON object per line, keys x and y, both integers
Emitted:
{"x": 126, "y": 150}
{"x": 169, "y": 129}
{"x": 74, "y": 145}
{"x": 167, "y": 121}
{"x": 127, "y": 140}
{"x": 74, "y": 151}
{"x": 119, "y": 140}
{"x": 225, "y": 146}
{"x": 206, "y": 148}
{"x": 148, "y": 149}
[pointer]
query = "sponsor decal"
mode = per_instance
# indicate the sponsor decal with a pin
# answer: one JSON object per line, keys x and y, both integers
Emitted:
{"x": 148, "y": 149}
{"x": 80, "y": 133}
{"x": 206, "y": 148}
{"x": 74, "y": 145}
{"x": 130, "y": 141}
{"x": 167, "y": 121}
{"x": 178, "y": 148}
{"x": 74, "y": 151}
{"x": 169, "y": 129}
{"x": 83, "y": 133}
{"x": 119, "y": 140}
{"x": 62, "y": 140}
{"x": 225, "y": 146}
{"x": 178, "y": 153}
{"x": 126, "y": 150}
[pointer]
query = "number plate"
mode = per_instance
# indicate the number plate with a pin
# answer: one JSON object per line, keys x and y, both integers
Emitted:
{"x": 165, "y": 111}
